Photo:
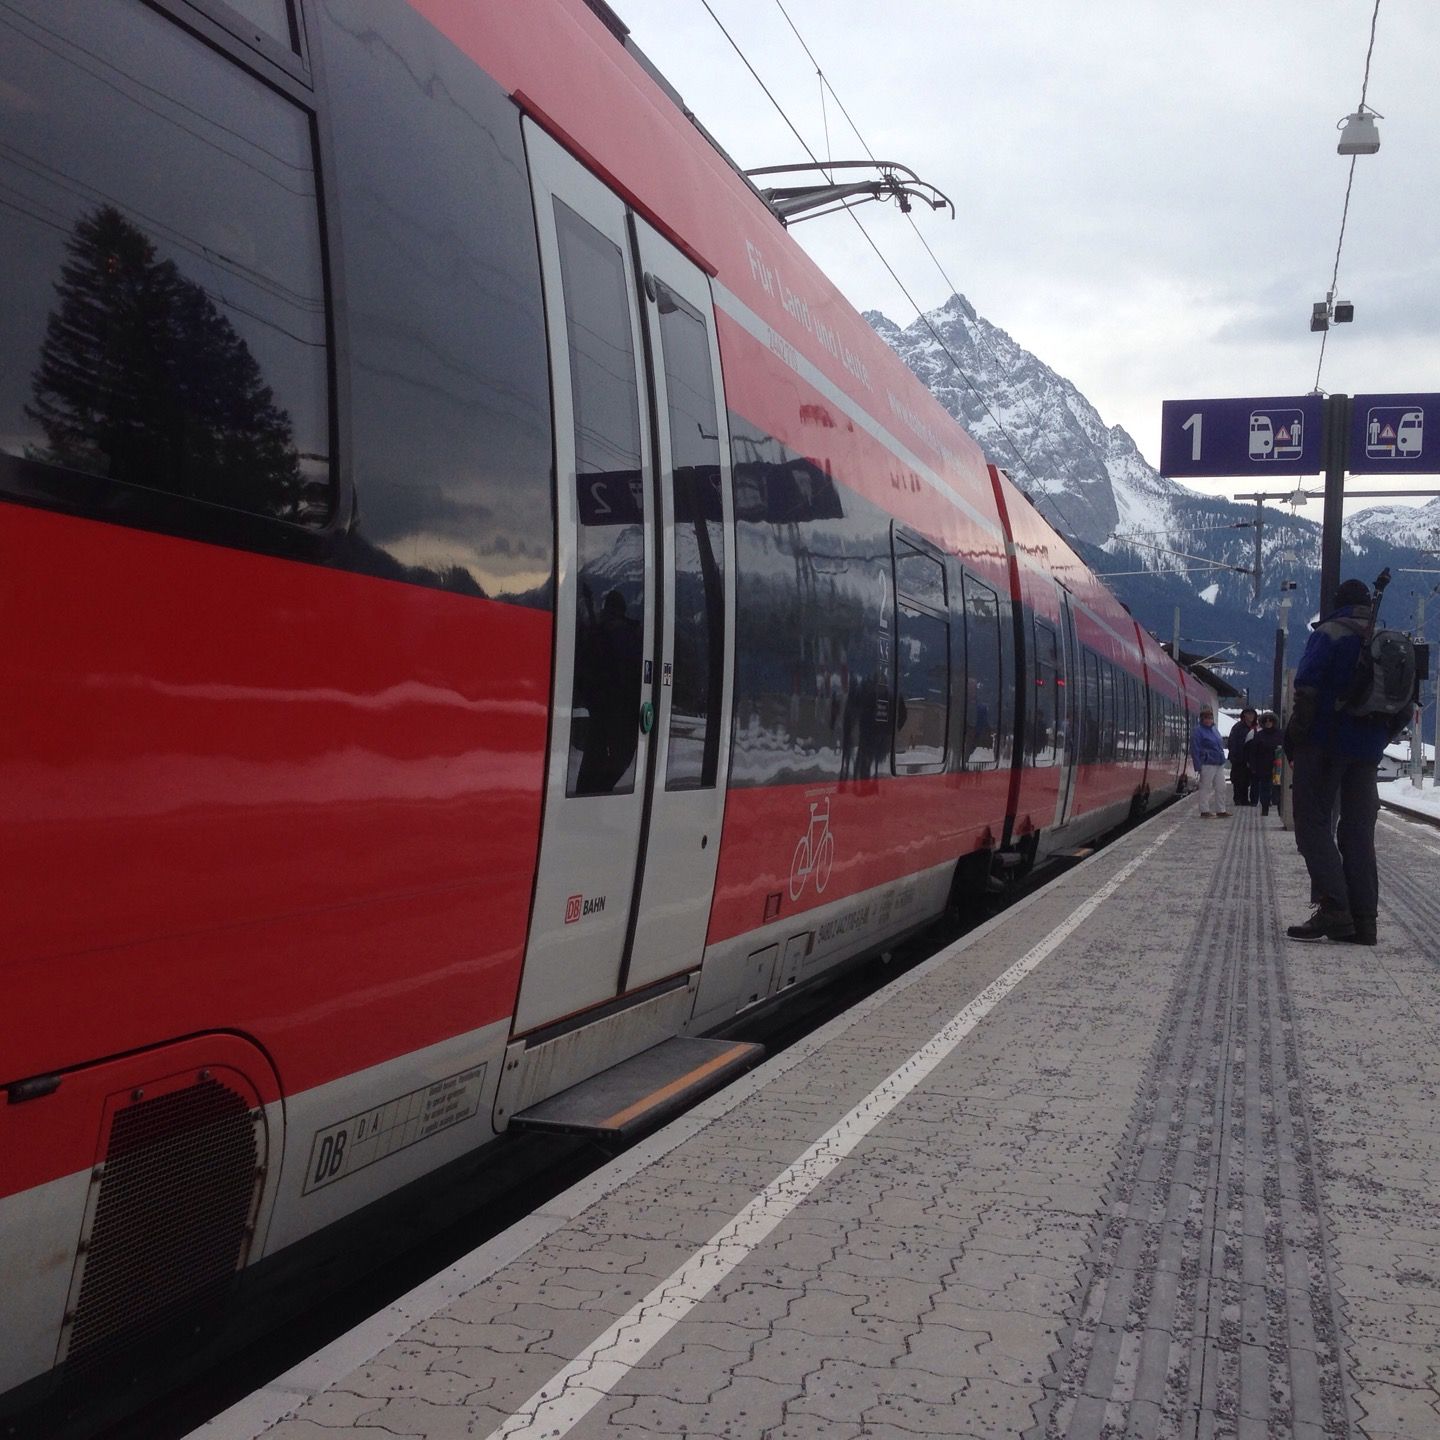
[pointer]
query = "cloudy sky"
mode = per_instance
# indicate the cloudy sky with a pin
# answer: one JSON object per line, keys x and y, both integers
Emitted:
{"x": 1148, "y": 194}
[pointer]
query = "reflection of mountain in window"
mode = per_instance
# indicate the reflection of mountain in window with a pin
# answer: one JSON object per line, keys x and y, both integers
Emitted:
{"x": 142, "y": 379}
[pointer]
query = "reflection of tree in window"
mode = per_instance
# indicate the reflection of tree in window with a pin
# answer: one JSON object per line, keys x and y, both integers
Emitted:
{"x": 142, "y": 379}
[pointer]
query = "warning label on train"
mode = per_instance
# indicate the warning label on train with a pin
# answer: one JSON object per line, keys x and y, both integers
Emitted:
{"x": 363, "y": 1139}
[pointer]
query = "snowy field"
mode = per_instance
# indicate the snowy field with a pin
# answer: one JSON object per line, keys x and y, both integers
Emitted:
{"x": 1403, "y": 794}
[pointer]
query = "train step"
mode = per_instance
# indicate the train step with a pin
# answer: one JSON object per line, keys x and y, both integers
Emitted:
{"x": 643, "y": 1091}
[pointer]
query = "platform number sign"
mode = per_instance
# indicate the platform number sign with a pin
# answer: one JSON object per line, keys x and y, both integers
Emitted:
{"x": 1256, "y": 437}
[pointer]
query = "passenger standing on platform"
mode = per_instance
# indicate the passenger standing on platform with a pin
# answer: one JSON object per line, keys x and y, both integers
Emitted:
{"x": 1207, "y": 753}
{"x": 1260, "y": 752}
{"x": 1334, "y": 757}
{"x": 1241, "y": 780}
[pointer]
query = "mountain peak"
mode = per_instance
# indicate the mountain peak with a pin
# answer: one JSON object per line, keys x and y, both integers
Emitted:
{"x": 1166, "y": 546}
{"x": 957, "y": 302}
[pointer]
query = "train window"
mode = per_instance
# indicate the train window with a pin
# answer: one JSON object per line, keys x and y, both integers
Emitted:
{"x": 693, "y": 754}
{"x": 1107, "y": 710}
{"x": 1045, "y": 738}
{"x": 1090, "y": 708}
{"x": 922, "y": 688}
{"x": 163, "y": 295}
{"x": 922, "y": 661}
{"x": 1124, "y": 721}
{"x": 983, "y": 717}
{"x": 610, "y": 593}
{"x": 919, "y": 577}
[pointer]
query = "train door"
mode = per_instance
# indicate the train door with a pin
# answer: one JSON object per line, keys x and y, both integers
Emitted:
{"x": 696, "y": 630}
{"x": 630, "y": 766}
{"x": 1067, "y": 702}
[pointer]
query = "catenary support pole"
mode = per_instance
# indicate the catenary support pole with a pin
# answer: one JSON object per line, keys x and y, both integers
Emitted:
{"x": 1259, "y": 533}
{"x": 1417, "y": 738}
{"x": 1282, "y": 630}
{"x": 1337, "y": 440}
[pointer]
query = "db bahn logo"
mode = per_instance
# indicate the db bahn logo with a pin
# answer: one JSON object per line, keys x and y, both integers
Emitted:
{"x": 578, "y": 906}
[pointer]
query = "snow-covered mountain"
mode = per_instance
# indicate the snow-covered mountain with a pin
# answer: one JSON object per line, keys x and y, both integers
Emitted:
{"x": 1092, "y": 483}
{"x": 1395, "y": 525}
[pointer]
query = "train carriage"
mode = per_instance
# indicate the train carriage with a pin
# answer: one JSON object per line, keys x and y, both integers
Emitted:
{"x": 482, "y": 604}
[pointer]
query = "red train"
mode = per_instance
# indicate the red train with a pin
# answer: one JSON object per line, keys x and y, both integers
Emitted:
{"x": 479, "y": 603}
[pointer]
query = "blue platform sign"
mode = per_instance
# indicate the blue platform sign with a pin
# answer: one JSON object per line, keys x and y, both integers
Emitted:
{"x": 1395, "y": 434}
{"x": 1249, "y": 438}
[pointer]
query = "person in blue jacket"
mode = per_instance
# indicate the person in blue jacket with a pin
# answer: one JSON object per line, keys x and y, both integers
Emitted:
{"x": 1207, "y": 754}
{"x": 1334, "y": 757}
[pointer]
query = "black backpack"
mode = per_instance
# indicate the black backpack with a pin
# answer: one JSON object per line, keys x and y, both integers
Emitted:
{"x": 1387, "y": 672}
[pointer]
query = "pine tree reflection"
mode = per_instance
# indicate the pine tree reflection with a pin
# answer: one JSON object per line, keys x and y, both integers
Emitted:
{"x": 142, "y": 379}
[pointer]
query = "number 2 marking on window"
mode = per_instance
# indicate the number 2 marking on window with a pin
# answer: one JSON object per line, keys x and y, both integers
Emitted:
{"x": 1196, "y": 423}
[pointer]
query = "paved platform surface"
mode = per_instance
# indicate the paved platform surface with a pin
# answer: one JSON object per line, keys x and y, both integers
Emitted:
{"x": 1124, "y": 1162}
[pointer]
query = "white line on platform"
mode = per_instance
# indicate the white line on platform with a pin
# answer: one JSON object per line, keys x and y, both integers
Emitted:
{"x": 565, "y": 1400}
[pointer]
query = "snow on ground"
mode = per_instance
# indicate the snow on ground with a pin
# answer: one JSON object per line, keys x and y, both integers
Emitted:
{"x": 1401, "y": 793}
{"x": 1210, "y": 592}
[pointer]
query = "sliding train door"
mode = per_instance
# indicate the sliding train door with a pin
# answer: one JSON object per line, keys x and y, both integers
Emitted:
{"x": 1068, "y": 703}
{"x": 643, "y": 605}
{"x": 696, "y": 633}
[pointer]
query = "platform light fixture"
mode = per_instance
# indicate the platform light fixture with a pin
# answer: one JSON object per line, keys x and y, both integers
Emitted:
{"x": 1358, "y": 132}
{"x": 1330, "y": 311}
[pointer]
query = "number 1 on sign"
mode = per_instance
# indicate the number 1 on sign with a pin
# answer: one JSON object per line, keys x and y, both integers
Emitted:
{"x": 1195, "y": 423}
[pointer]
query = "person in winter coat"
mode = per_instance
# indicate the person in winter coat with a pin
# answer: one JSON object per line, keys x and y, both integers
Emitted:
{"x": 1241, "y": 781}
{"x": 1207, "y": 754}
{"x": 1334, "y": 757}
{"x": 1260, "y": 751}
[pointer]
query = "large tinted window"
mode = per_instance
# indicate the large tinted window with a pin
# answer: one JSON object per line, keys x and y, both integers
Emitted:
{"x": 983, "y": 716}
{"x": 693, "y": 751}
{"x": 162, "y": 308}
{"x": 449, "y": 425}
{"x": 815, "y": 621}
{"x": 1045, "y": 713}
{"x": 1089, "y": 707}
{"x": 1107, "y": 710}
{"x": 610, "y": 587}
{"x": 922, "y": 661}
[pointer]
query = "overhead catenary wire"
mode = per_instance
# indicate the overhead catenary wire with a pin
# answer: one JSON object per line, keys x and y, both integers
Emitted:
{"x": 1349, "y": 183}
{"x": 890, "y": 269}
{"x": 950, "y": 284}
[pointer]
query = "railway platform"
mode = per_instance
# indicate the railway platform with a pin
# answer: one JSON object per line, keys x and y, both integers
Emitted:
{"x": 1122, "y": 1161}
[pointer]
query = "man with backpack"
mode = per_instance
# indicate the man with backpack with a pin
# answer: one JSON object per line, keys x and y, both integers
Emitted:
{"x": 1348, "y": 706}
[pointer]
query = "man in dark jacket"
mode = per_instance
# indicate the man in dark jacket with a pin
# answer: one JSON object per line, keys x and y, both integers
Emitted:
{"x": 1334, "y": 756}
{"x": 1241, "y": 780}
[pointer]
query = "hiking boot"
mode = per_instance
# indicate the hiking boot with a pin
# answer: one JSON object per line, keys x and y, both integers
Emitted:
{"x": 1364, "y": 931}
{"x": 1324, "y": 924}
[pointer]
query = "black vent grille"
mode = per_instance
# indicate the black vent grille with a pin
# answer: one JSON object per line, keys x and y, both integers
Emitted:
{"x": 172, "y": 1221}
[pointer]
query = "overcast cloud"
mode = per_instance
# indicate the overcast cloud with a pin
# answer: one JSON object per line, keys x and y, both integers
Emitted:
{"x": 1148, "y": 195}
